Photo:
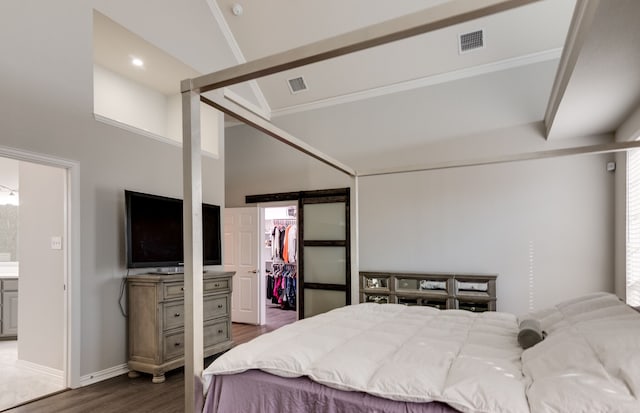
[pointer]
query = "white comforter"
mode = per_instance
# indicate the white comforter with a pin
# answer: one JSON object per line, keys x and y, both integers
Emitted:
{"x": 471, "y": 361}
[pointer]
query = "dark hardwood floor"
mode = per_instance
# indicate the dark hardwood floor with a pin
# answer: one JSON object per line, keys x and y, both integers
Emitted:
{"x": 276, "y": 318}
{"x": 122, "y": 394}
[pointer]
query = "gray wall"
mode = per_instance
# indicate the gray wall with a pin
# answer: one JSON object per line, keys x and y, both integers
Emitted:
{"x": 262, "y": 165}
{"x": 545, "y": 226}
{"x": 41, "y": 290}
{"x": 46, "y": 101}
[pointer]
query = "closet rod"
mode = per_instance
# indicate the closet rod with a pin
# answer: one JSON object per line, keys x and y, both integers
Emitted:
{"x": 284, "y": 221}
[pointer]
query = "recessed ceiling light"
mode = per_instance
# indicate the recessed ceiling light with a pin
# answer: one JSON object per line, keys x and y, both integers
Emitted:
{"x": 137, "y": 62}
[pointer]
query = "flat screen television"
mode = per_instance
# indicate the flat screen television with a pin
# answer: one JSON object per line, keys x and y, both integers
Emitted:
{"x": 154, "y": 231}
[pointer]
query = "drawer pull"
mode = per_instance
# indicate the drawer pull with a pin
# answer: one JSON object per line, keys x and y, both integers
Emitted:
{"x": 220, "y": 331}
{"x": 176, "y": 315}
{"x": 177, "y": 344}
{"x": 220, "y": 305}
{"x": 181, "y": 288}
{"x": 216, "y": 285}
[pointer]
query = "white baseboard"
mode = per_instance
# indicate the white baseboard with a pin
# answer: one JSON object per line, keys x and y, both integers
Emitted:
{"x": 56, "y": 376}
{"x": 103, "y": 374}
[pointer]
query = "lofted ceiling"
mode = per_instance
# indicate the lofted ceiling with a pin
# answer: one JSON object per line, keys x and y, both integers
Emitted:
{"x": 521, "y": 36}
{"x": 400, "y": 98}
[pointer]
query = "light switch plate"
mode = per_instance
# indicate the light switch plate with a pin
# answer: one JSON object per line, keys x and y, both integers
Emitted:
{"x": 56, "y": 243}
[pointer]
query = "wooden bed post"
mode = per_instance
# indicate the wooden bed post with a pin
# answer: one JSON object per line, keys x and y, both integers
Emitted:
{"x": 192, "y": 217}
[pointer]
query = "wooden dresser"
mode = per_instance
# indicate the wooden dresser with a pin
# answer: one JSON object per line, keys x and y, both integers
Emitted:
{"x": 156, "y": 320}
{"x": 473, "y": 292}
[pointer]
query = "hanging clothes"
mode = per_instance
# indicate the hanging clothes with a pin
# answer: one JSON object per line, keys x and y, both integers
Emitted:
{"x": 275, "y": 242}
{"x": 283, "y": 289}
{"x": 292, "y": 241}
{"x": 285, "y": 249}
{"x": 270, "y": 284}
{"x": 281, "y": 241}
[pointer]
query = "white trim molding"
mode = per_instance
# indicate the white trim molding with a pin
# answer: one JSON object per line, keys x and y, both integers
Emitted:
{"x": 145, "y": 133}
{"x": 56, "y": 377}
{"x": 105, "y": 374}
{"x": 465, "y": 73}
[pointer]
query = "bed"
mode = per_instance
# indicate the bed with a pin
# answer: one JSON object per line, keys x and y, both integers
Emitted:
{"x": 394, "y": 358}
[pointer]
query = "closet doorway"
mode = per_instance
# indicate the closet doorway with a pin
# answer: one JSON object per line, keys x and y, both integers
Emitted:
{"x": 279, "y": 264}
{"x": 323, "y": 255}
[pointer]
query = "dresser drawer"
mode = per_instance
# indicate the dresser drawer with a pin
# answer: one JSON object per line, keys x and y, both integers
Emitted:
{"x": 176, "y": 289}
{"x": 378, "y": 282}
{"x": 216, "y": 333}
{"x": 214, "y": 307}
{"x": 173, "y": 290}
{"x": 173, "y": 345}
{"x": 375, "y": 298}
{"x": 173, "y": 315}
{"x": 210, "y": 286}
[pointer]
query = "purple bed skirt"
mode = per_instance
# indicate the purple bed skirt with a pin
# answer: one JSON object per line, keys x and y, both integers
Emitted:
{"x": 255, "y": 391}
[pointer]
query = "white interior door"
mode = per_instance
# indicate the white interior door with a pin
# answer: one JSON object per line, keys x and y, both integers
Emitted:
{"x": 241, "y": 255}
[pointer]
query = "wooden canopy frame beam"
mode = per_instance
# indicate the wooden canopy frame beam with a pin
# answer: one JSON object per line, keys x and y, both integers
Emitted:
{"x": 445, "y": 15}
{"x": 434, "y": 18}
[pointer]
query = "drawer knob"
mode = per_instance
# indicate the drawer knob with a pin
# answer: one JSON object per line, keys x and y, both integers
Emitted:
{"x": 176, "y": 315}
{"x": 177, "y": 344}
{"x": 216, "y": 285}
{"x": 220, "y": 331}
{"x": 181, "y": 288}
{"x": 220, "y": 305}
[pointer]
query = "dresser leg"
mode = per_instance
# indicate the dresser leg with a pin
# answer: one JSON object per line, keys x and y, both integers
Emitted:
{"x": 133, "y": 374}
{"x": 158, "y": 379}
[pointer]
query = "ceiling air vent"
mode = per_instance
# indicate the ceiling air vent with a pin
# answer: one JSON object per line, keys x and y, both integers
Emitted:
{"x": 471, "y": 41}
{"x": 297, "y": 84}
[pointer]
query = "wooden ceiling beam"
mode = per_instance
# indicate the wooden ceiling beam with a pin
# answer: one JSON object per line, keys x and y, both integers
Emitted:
{"x": 581, "y": 22}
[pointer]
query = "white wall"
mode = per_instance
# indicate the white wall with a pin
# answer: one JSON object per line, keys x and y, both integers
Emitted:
{"x": 545, "y": 226}
{"x": 46, "y": 106}
{"x": 130, "y": 103}
{"x": 41, "y": 289}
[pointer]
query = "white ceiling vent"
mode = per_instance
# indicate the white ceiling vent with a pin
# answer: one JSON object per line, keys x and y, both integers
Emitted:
{"x": 471, "y": 41}
{"x": 297, "y": 84}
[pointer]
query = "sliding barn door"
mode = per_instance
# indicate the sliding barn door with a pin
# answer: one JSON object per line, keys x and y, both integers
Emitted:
{"x": 324, "y": 251}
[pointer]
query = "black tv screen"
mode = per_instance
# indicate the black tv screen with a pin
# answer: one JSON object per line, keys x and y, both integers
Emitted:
{"x": 154, "y": 231}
